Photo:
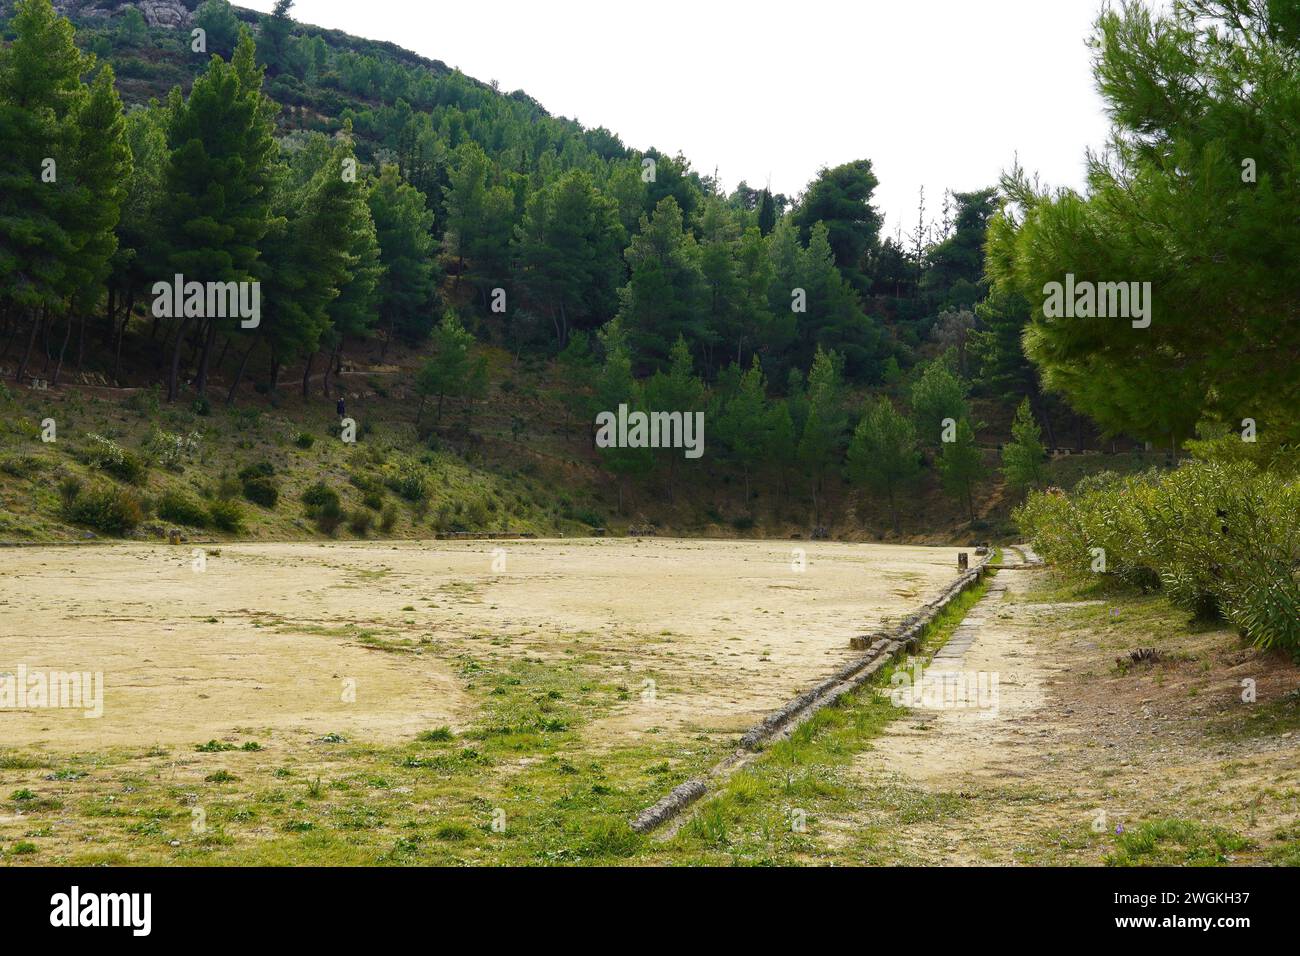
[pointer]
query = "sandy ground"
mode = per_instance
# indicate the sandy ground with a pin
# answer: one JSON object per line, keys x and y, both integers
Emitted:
{"x": 271, "y": 637}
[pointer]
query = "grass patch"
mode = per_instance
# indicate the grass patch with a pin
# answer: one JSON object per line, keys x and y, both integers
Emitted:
{"x": 1176, "y": 843}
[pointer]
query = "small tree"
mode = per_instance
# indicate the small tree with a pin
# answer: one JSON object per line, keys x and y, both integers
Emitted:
{"x": 677, "y": 390}
{"x": 882, "y": 455}
{"x": 1023, "y": 456}
{"x": 576, "y": 368}
{"x": 220, "y": 25}
{"x": 961, "y": 466}
{"x": 745, "y": 423}
{"x": 454, "y": 369}
{"x": 938, "y": 394}
{"x": 615, "y": 385}
{"x": 132, "y": 30}
{"x": 782, "y": 448}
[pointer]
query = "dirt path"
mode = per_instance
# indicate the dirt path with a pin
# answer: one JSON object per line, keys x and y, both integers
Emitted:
{"x": 1074, "y": 750}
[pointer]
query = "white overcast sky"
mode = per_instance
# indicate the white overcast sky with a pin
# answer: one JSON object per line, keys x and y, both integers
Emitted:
{"x": 936, "y": 93}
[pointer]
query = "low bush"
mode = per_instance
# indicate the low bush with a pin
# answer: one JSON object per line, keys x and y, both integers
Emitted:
{"x": 322, "y": 506}
{"x": 409, "y": 480}
{"x": 108, "y": 509}
{"x": 226, "y": 515}
{"x": 173, "y": 450}
{"x": 1221, "y": 538}
{"x": 180, "y": 508}
{"x": 318, "y": 496}
{"x": 360, "y": 521}
{"x": 21, "y": 466}
{"x": 259, "y": 485}
{"x": 110, "y": 457}
{"x": 69, "y": 487}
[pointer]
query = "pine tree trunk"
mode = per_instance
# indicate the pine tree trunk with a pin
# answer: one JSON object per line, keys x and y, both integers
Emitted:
{"x": 173, "y": 379}
{"x": 31, "y": 342}
{"x": 81, "y": 345}
{"x": 205, "y": 357}
{"x": 239, "y": 375}
{"x": 121, "y": 334}
{"x": 332, "y": 367}
{"x": 67, "y": 336}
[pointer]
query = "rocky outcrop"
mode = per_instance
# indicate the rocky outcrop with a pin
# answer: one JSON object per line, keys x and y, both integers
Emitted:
{"x": 169, "y": 14}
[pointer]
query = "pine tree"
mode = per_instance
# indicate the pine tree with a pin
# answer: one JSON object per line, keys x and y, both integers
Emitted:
{"x": 665, "y": 296}
{"x": 616, "y": 385}
{"x": 766, "y": 213}
{"x": 939, "y": 394}
{"x": 1024, "y": 456}
{"x": 403, "y": 226}
{"x": 1197, "y": 197}
{"x": 570, "y": 253}
{"x": 220, "y": 26}
{"x": 677, "y": 390}
{"x": 455, "y": 370}
{"x": 100, "y": 172}
{"x": 41, "y": 96}
{"x": 744, "y": 426}
{"x": 218, "y": 181}
{"x": 882, "y": 454}
{"x": 273, "y": 42}
{"x": 961, "y": 466}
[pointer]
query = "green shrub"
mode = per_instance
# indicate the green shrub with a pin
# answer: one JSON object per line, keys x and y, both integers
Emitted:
{"x": 173, "y": 450}
{"x": 318, "y": 496}
{"x": 21, "y": 466}
{"x": 69, "y": 487}
{"x": 108, "y": 509}
{"x": 145, "y": 401}
{"x": 227, "y": 488}
{"x": 1221, "y": 538}
{"x": 359, "y": 522}
{"x": 226, "y": 515}
{"x": 409, "y": 480}
{"x": 262, "y": 491}
{"x": 368, "y": 483}
{"x": 180, "y": 508}
{"x": 388, "y": 519}
{"x": 108, "y": 456}
{"x": 476, "y": 513}
{"x": 322, "y": 506}
{"x": 328, "y": 518}
{"x": 588, "y": 516}
{"x": 259, "y": 485}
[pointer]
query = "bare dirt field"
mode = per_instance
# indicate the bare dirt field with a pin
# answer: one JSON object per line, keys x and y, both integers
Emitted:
{"x": 364, "y": 639}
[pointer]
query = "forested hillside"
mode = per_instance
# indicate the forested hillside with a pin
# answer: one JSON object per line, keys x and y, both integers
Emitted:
{"x": 477, "y": 279}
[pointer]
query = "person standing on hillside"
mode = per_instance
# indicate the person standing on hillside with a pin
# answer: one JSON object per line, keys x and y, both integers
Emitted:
{"x": 341, "y": 408}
